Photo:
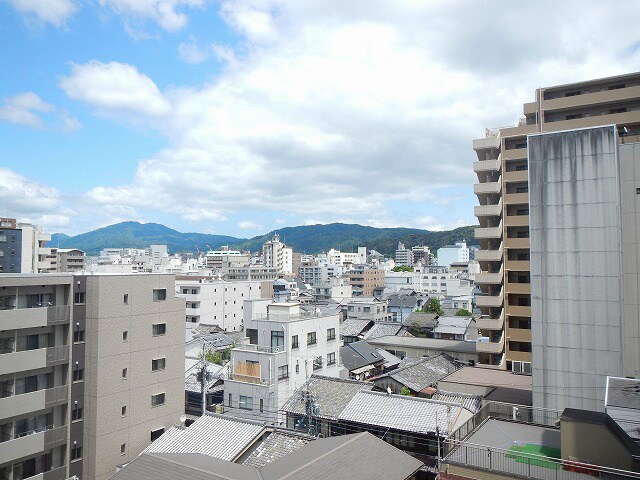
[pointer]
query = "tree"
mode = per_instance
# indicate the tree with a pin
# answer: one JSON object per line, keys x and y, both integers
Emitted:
{"x": 463, "y": 313}
{"x": 405, "y": 391}
{"x": 433, "y": 306}
{"x": 402, "y": 268}
{"x": 218, "y": 357}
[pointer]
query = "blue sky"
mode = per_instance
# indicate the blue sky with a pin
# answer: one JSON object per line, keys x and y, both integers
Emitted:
{"x": 239, "y": 117}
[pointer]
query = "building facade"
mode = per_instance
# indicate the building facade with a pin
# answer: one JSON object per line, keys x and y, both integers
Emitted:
{"x": 364, "y": 280}
{"x": 503, "y": 210}
{"x": 277, "y": 255}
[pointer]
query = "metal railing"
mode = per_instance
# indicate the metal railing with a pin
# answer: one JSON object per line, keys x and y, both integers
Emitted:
{"x": 249, "y": 379}
{"x": 58, "y": 314}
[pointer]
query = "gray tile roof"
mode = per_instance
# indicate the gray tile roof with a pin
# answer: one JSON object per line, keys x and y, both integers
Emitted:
{"x": 276, "y": 446}
{"x": 468, "y": 401}
{"x": 410, "y": 414}
{"x": 424, "y": 373}
{"x": 352, "y": 327}
{"x": 425, "y": 320}
{"x": 214, "y": 435}
{"x": 390, "y": 360}
{"x": 359, "y": 354}
{"x": 452, "y": 325}
{"x": 381, "y": 329}
{"x": 623, "y": 393}
{"x": 359, "y": 456}
{"x": 332, "y": 394}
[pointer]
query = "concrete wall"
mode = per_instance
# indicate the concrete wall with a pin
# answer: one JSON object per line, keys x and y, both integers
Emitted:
{"x": 576, "y": 266}
{"x": 107, "y": 354}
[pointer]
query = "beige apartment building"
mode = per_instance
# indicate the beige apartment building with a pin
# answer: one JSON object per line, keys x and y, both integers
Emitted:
{"x": 364, "y": 280}
{"x": 503, "y": 211}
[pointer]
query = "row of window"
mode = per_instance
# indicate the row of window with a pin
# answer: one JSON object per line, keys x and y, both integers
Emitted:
{"x": 312, "y": 338}
{"x": 159, "y": 294}
{"x": 157, "y": 329}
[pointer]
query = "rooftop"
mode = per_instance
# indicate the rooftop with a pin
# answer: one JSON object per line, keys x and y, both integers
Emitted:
{"x": 423, "y": 373}
{"x": 622, "y": 393}
{"x": 472, "y": 403}
{"x": 382, "y": 329}
{"x": 277, "y": 445}
{"x": 352, "y": 327}
{"x": 332, "y": 394}
{"x": 359, "y": 354}
{"x": 427, "y": 343}
{"x": 489, "y": 377}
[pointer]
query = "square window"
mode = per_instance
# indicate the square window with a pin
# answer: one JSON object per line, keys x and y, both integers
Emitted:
{"x": 311, "y": 338}
{"x": 78, "y": 374}
{"x": 331, "y": 334}
{"x": 159, "y": 294}
{"x": 331, "y": 358}
{"x": 76, "y": 453}
{"x": 159, "y": 329}
{"x": 124, "y": 373}
{"x": 157, "y": 364}
{"x": 76, "y": 414}
{"x": 78, "y": 336}
{"x": 157, "y": 400}
{"x": 294, "y": 341}
{"x": 246, "y": 403}
{"x": 79, "y": 298}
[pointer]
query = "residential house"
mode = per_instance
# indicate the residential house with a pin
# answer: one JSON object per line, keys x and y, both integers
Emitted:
{"x": 456, "y": 328}
{"x": 361, "y": 360}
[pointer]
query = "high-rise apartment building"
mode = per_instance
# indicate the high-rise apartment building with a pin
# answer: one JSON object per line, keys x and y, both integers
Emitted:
{"x": 23, "y": 248}
{"x": 277, "y": 255}
{"x": 91, "y": 371}
{"x": 503, "y": 213}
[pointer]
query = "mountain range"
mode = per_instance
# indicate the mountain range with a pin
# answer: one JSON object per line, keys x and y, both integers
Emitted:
{"x": 305, "y": 239}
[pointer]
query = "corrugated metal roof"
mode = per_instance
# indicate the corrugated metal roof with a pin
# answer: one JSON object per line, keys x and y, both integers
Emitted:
{"x": 332, "y": 395}
{"x": 470, "y": 402}
{"x": 623, "y": 393}
{"x": 214, "y": 435}
{"x": 410, "y": 414}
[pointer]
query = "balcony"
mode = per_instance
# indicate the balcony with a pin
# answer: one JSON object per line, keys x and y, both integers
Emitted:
{"x": 489, "y": 142}
{"x": 22, "y": 361}
{"x": 511, "y": 242}
{"x": 491, "y": 347}
{"x": 519, "y": 335}
{"x": 58, "y": 315}
{"x": 516, "y": 176}
{"x": 32, "y": 443}
{"x": 516, "y": 198}
{"x": 488, "y": 210}
{"x": 57, "y": 355}
{"x": 491, "y": 278}
{"x": 487, "y": 165}
{"x": 519, "y": 310}
{"x": 489, "y": 232}
{"x": 515, "y": 154}
{"x": 486, "y": 323}
{"x": 595, "y": 98}
{"x": 17, "y": 318}
{"x": 489, "y": 255}
{"x": 518, "y": 356}
{"x": 516, "y": 220}
{"x": 488, "y": 187}
{"x": 524, "y": 288}
{"x": 494, "y": 301}
{"x": 518, "y": 265}
{"x": 33, "y": 401}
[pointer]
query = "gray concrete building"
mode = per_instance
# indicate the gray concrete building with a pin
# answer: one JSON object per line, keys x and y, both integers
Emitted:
{"x": 70, "y": 259}
{"x": 35, "y": 375}
{"x": 584, "y": 270}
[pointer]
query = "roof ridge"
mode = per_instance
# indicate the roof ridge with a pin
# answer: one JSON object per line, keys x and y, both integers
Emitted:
{"x": 162, "y": 456}
{"x": 409, "y": 397}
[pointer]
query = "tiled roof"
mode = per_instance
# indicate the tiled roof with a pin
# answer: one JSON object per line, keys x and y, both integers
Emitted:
{"x": 192, "y": 366}
{"x": 470, "y": 402}
{"x": 390, "y": 360}
{"x": 352, "y": 327}
{"x": 332, "y": 394}
{"x": 424, "y": 373}
{"x": 423, "y": 319}
{"x": 381, "y": 329}
{"x": 452, "y": 325}
{"x": 277, "y": 445}
{"x": 359, "y": 354}
{"x": 410, "y": 414}
{"x": 213, "y": 435}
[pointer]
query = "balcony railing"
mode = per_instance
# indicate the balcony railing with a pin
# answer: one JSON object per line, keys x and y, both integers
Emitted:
{"x": 249, "y": 379}
{"x": 58, "y": 314}
{"x": 491, "y": 347}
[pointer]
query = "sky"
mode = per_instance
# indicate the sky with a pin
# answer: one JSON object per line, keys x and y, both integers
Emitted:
{"x": 241, "y": 117}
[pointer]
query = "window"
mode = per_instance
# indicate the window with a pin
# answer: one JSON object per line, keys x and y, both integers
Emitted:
{"x": 246, "y": 403}
{"x": 76, "y": 453}
{"x": 277, "y": 338}
{"x": 297, "y": 367}
{"x": 155, "y": 434}
{"x": 159, "y": 294}
{"x": 294, "y": 341}
{"x": 126, "y": 298}
{"x": 124, "y": 373}
{"x": 230, "y": 399}
{"x": 283, "y": 372}
{"x": 78, "y": 299}
{"x": 157, "y": 400}
{"x": 124, "y": 410}
{"x": 123, "y": 449}
{"x": 317, "y": 363}
{"x": 125, "y": 336}
{"x": 261, "y": 405}
{"x": 78, "y": 374}
{"x": 331, "y": 358}
{"x": 76, "y": 414}
{"x": 157, "y": 364}
{"x": 159, "y": 329}
{"x": 331, "y": 334}
{"x": 78, "y": 336}
{"x": 311, "y": 338}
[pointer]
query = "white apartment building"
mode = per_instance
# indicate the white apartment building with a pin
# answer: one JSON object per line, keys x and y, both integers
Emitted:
{"x": 404, "y": 256}
{"x": 223, "y": 259}
{"x": 439, "y": 279}
{"x": 338, "y": 258}
{"x": 453, "y": 253}
{"x": 217, "y": 302}
{"x": 277, "y": 255}
{"x": 395, "y": 281}
{"x": 286, "y": 345}
{"x": 368, "y": 308}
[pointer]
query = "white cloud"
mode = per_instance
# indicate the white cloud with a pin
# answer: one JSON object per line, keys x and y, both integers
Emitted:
{"x": 250, "y": 225}
{"x": 193, "y": 53}
{"x": 356, "y": 110}
{"x": 54, "y": 12}
{"x": 115, "y": 87}
{"x": 163, "y": 12}
{"x": 30, "y": 110}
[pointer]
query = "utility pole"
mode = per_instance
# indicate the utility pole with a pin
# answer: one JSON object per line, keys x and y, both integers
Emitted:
{"x": 203, "y": 375}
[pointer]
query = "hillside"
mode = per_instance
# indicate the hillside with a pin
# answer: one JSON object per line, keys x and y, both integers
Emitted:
{"x": 305, "y": 239}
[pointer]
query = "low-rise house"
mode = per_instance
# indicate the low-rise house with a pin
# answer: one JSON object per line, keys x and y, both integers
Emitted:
{"x": 354, "y": 329}
{"x": 403, "y": 346}
{"x": 369, "y": 308}
{"x": 361, "y": 360}
{"x": 456, "y": 328}
{"x": 493, "y": 384}
{"x": 356, "y": 457}
{"x": 382, "y": 329}
{"x": 420, "y": 377}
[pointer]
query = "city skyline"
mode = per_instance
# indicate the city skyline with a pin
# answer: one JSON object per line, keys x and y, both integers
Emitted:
{"x": 239, "y": 118}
